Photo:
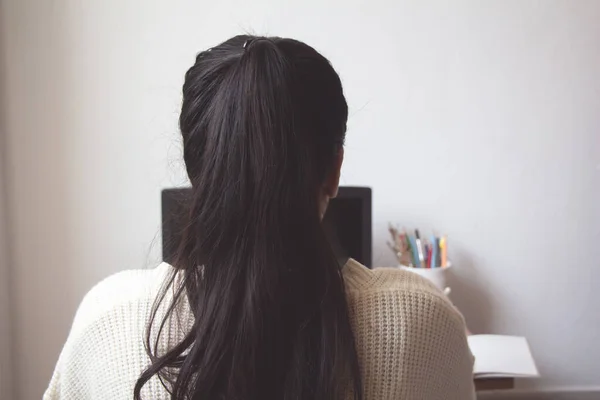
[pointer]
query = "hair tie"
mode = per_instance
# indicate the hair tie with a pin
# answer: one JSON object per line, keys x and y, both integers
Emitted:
{"x": 252, "y": 40}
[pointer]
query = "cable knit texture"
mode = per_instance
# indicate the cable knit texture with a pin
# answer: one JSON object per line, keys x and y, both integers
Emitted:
{"x": 410, "y": 339}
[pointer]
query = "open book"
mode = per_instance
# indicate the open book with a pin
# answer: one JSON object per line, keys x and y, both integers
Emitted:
{"x": 498, "y": 356}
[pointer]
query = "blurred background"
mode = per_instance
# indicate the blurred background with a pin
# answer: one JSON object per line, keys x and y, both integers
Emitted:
{"x": 477, "y": 119}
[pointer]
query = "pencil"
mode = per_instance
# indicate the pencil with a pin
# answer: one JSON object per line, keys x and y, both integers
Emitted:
{"x": 443, "y": 250}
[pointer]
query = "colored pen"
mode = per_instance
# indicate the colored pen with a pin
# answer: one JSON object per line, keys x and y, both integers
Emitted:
{"x": 429, "y": 258}
{"x": 434, "y": 251}
{"x": 438, "y": 259}
{"x": 419, "y": 248}
{"x": 414, "y": 251}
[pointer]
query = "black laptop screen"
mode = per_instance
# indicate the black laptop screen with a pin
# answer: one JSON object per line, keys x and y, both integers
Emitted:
{"x": 347, "y": 222}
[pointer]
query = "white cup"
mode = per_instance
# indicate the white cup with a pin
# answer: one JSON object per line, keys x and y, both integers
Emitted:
{"x": 437, "y": 276}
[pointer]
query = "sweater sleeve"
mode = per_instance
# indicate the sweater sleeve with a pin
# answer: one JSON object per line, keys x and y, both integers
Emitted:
{"x": 66, "y": 383}
{"x": 412, "y": 345}
{"x": 68, "y": 380}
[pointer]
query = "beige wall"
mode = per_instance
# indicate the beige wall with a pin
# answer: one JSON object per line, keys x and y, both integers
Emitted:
{"x": 5, "y": 317}
{"x": 6, "y": 365}
{"x": 479, "y": 119}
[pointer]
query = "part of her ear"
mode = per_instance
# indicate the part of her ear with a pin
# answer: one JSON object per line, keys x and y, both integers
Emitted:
{"x": 323, "y": 204}
{"x": 332, "y": 182}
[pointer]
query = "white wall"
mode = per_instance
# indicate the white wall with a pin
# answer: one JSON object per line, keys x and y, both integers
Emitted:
{"x": 477, "y": 118}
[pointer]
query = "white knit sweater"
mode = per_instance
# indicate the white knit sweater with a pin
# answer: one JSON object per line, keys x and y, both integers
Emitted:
{"x": 410, "y": 340}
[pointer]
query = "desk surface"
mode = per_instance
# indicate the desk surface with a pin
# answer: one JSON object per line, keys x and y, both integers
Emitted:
{"x": 483, "y": 384}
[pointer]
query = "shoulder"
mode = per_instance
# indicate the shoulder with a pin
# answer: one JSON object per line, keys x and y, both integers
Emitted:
{"x": 360, "y": 279}
{"x": 405, "y": 329}
{"x": 115, "y": 292}
{"x": 107, "y": 330}
{"x": 392, "y": 290}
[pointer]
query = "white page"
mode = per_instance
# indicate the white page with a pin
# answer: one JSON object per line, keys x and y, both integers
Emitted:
{"x": 502, "y": 356}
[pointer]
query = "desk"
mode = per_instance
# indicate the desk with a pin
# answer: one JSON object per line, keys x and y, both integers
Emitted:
{"x": 483, "y": 384}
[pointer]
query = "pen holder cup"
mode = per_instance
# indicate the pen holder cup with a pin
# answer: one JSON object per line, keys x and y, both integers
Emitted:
{"x": 437, "y": 276}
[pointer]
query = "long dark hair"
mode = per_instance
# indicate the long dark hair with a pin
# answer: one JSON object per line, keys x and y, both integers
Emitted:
{"x": 263, "y": 121}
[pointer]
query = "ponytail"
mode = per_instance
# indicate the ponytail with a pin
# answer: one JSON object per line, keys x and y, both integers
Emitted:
{"x": 262, "y": 120}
